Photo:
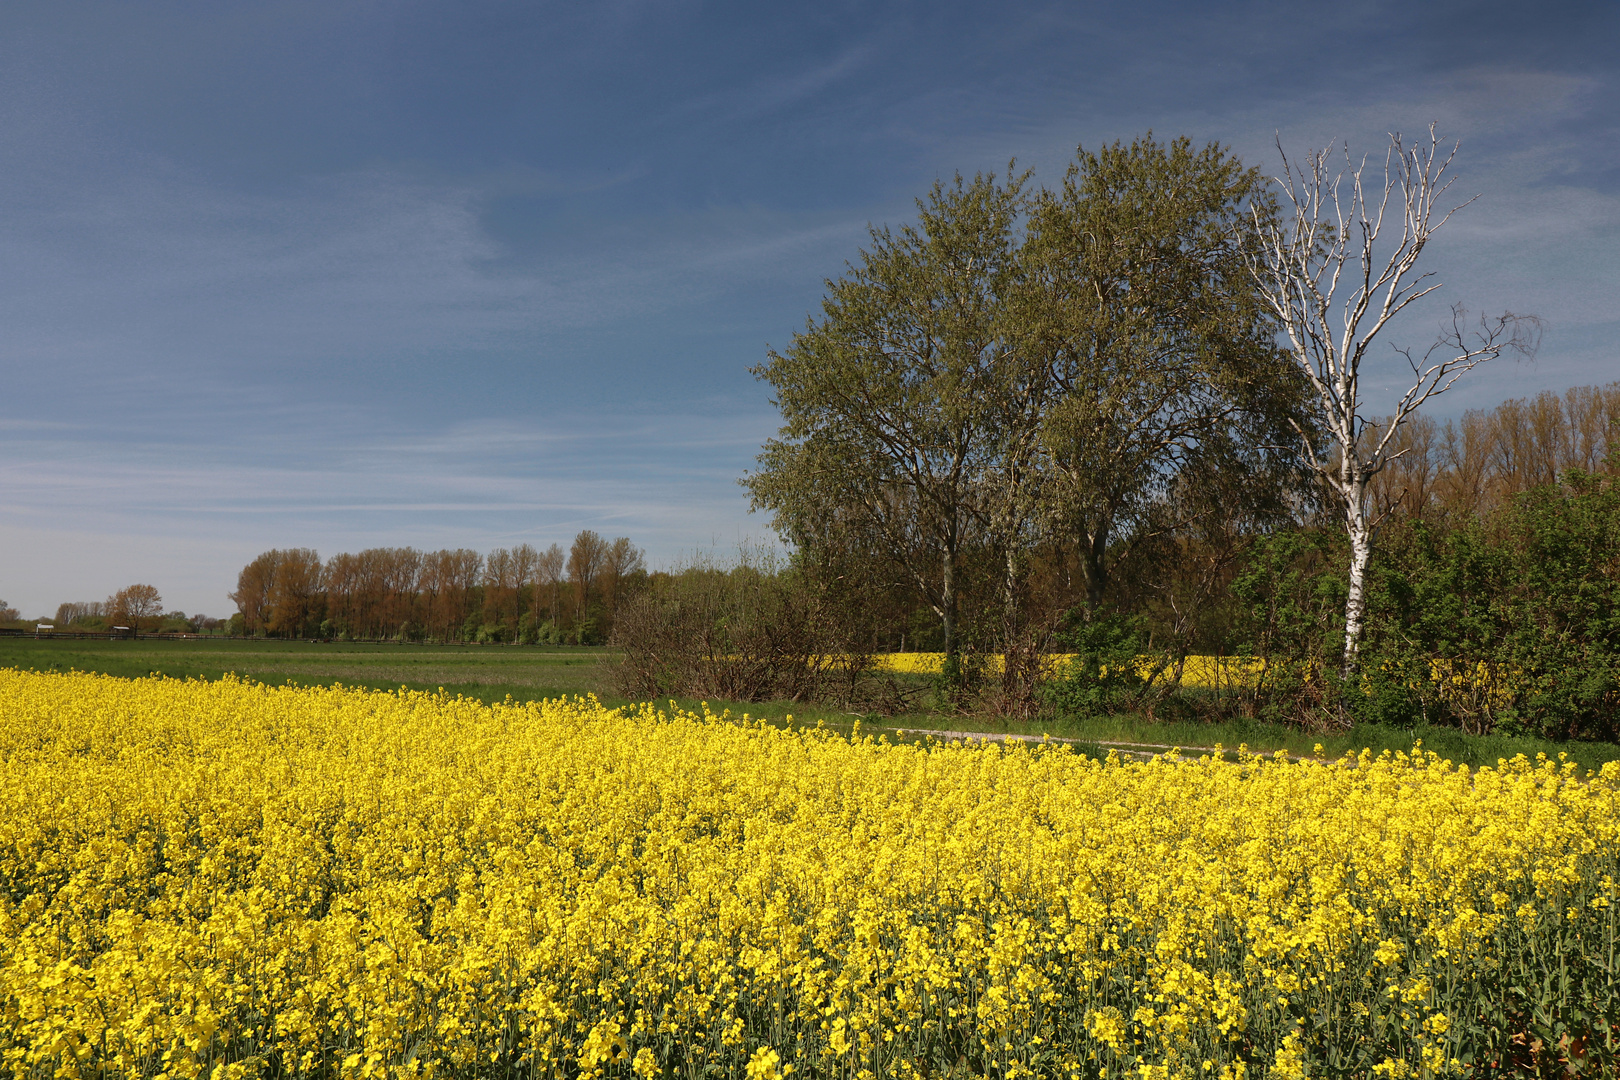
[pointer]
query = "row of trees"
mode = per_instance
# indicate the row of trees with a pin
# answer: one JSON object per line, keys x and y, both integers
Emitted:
{"x": 1498, "y": 568}
{"x": 1480, "y": 462}
{"x": 1098, "y": 363}
{"x": 137, "y": 607}
{"x": 1041, "y": 414}
{"x": 513, "y": 594}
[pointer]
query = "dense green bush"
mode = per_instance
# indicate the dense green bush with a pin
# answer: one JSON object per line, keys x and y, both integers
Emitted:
{"x": 1518, "y": 614}
{"x": 1289, "y": 613}
{"x": 1104, "y": 676}
{"x": 1505, "y": 623}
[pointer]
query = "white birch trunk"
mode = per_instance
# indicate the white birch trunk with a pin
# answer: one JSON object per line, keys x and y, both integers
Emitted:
{"x": 1332, "y": 294}
{"x": 1355, "y": 603}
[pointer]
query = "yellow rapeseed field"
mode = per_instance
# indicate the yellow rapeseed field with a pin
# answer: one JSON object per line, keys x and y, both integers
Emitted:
{"x": 228, "y": 880}
{"x": 1458, "y": 683}
{"x": 1197, "y": 671}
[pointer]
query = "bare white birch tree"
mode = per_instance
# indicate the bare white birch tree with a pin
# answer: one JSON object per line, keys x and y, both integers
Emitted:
{"x": 1335, "y": 272}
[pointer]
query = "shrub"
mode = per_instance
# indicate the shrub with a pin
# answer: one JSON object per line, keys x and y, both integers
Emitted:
{"x": 1104, "y": 675}
{"x": 1511, "y": 623}
{"x": 756, "y": 631}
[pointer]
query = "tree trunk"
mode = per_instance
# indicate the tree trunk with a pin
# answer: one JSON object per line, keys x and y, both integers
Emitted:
{"x": 1013, "y": 674}
{"x": 1095, "y": 556}
{"x": 947, "y": 601}
{"x": 1009, "y": 610}
{"x": 1355, "y": 604}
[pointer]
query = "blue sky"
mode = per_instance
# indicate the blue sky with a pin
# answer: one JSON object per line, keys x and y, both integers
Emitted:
{"x": 339, "y": 275}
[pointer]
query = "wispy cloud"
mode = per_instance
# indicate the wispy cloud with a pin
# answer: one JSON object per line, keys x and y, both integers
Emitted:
{"x": 777, "y": 92}
{"x": 454, "y": 278}
{"x": 661, "y": 479}
{"x": 359, "y": 264}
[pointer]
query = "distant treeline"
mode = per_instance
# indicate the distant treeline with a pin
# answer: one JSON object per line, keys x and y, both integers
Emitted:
{"x": 138, "y": 608}
{"x": 1480, "y": 462}
{"x": 518, "y": 594}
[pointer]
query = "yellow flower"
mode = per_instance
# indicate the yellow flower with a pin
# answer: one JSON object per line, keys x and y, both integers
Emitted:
{"x": 764, "y": 1065}
{"x": 1289, "y": 1063}
{"x": 208, "y": 876}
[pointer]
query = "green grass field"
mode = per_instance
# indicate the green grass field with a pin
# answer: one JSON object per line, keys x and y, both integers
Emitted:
{"x": 493, "y": 672}
{"x": 487, "y": 672}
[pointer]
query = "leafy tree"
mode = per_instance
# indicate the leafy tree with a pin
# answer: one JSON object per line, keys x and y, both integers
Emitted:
{"x": 888, "y": 400}
{"x": 586, "y": 560}
{"x": 295, "y": 596}
{"x": 548, "y": 577}
{"x": 501, "y": 586}
{"x": 253, "y": 585}
{"x": 1082, "y": 369}
{"x": 81, "y": 612}
{"x": 524, "y": 560}
{"x": 448, "y": 579}
{"x": 135, "y": 605}
{"x": 1289, "y": 596}
{"x": 622, "y": 560}
{"x": 1170, "y": 403}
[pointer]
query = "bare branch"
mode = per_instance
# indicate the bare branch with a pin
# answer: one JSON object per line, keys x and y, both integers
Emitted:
{"x": 1334, "y": 273}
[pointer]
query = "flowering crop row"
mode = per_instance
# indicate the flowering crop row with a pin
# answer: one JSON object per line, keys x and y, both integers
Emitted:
{"x": 1197, "y": 671}
{"x": 227, "y": 879}
{"x": 1452, "y": 679}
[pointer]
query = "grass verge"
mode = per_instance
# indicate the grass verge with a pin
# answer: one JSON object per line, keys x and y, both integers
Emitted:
{"x": 492, "y": 673}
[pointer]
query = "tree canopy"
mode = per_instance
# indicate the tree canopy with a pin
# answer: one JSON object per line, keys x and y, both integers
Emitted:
{"x": 888, "y": 400}
{"x": 1081, "y": 367}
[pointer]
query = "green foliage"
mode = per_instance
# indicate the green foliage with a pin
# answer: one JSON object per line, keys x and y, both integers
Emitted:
{"x": 960, "y": 681}
{"x": 1289, "y": 603}
{"x": 1520, "y": 614}
{"x": 1291, "y": 595}
{"x": 894, "y": 403}
{"x": 1564, "y": 549}
{"x": 1079, "y": 368}
{"x": 1508, "y": 623}
{"x": 1104, "y": 676}
{"x": 1165, "y": 380}
{"x": 175, "y": 622}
